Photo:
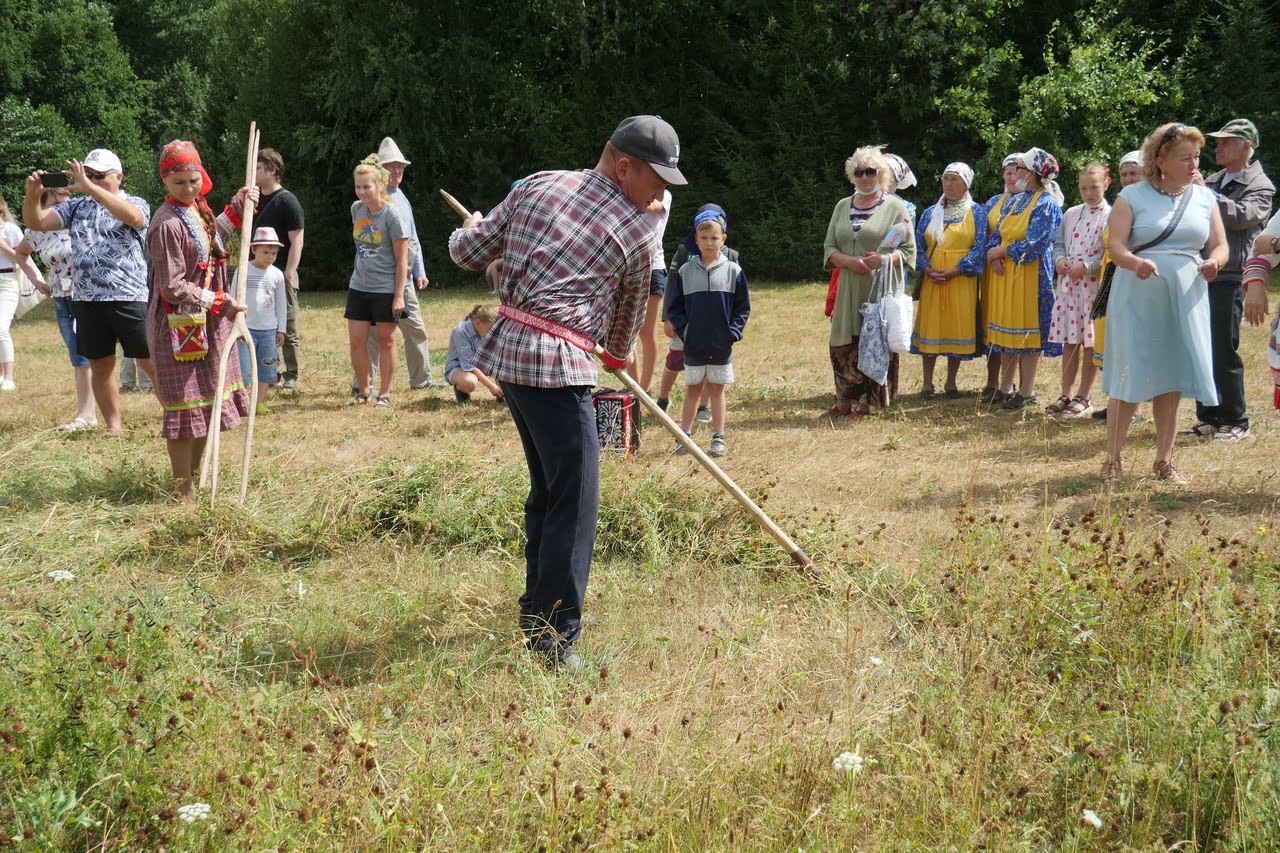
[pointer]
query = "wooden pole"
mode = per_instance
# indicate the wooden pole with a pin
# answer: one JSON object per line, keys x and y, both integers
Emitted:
{"x": 797, "y": 555}
{"x": 239, "y": 331}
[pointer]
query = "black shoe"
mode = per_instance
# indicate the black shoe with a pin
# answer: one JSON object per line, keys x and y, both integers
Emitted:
{"x": 1017, "y": 402}
{"x": 992, "y": 395}
{"x": 953, "y": 393}
{"x": 663, "y": 402}
{"x": 461, "y": 397}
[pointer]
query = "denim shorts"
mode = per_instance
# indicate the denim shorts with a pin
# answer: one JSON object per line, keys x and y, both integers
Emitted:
{"x": 67, "y": 326}
{"x": 264, "y": 345}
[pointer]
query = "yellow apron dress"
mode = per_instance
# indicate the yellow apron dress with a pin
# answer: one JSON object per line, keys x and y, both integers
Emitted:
{"x": 945, "y": 321}
{"x": 1014, "y": 313}
{"x": 984, "y": 305}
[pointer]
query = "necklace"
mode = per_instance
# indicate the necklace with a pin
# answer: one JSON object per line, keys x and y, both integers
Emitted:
{"x": 1167, "y": 194}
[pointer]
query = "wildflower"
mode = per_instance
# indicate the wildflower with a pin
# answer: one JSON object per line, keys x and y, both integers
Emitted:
{"x": 848, "y": 762}
{"x": 875, "y": 661}
{"x": 1091, "y": 817}
{"x": 299, "y": 590}
{"x": 192, "y": 812}
{"x": 60, "y": 575}
{"x": 1262, "y": 530}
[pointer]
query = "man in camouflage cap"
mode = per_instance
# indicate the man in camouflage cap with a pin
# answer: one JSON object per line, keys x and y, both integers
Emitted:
{"x": 1244, "y": 199}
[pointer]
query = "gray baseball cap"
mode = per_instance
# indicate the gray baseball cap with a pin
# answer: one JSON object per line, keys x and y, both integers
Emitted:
{"x": 654, "y": 141}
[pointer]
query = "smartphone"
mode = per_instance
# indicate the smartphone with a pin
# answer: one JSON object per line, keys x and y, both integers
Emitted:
{"x": 54, "y": 179}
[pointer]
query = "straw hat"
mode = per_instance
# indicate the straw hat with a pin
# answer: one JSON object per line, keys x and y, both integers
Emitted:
{"x": 265, "y": 236}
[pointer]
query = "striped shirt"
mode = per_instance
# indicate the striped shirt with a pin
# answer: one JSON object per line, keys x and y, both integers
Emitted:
{"x": 578, "y": 253}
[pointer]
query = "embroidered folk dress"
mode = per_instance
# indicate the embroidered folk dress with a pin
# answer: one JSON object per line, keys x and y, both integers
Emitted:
{"x": 992, "y": 213}
{"x": 178, "y": 246}
{"x": 947, "y": 317}
{"x": 1022, "y": 296}
{"x": 1079, "y": 242}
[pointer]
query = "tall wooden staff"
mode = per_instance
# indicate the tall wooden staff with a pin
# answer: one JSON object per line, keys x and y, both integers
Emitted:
{"x": 797, "y": 555}
{"x": 239, "y": 331}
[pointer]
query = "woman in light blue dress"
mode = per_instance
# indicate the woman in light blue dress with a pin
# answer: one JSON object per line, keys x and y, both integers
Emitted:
{"x": 1158, "y": 314}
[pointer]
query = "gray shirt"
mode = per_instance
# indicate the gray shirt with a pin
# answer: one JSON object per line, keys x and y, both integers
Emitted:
{"x": 1245, "y": 203}
{"x": 374, "y": 235}
{"x": 401, "y": 201}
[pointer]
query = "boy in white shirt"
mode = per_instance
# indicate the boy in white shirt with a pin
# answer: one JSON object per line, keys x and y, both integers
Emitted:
{"x": 265, "y": 295}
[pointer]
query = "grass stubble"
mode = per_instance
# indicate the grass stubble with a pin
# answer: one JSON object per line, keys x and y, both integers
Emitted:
{"x": 1016, "y": 659}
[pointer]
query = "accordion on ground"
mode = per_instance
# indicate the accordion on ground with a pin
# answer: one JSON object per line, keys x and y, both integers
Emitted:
{"x": 617, "y": 420}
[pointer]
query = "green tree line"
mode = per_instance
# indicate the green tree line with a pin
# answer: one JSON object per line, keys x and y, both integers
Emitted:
{"x": 769, "y": 97}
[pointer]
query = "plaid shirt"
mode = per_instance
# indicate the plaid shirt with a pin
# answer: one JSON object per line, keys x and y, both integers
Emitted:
{"x": 576, "y": 252}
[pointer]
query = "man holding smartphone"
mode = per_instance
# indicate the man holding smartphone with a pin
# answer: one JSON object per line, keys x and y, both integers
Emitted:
{"x": 108, "y": 268}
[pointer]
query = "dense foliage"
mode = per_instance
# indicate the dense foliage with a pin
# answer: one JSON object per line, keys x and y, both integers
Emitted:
{"x": 769, "y": 97}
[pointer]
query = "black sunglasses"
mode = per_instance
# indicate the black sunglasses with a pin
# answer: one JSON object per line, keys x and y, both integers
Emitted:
{"x": 95, "y": 176}
{"x": 865, "y": 173}
{"x": 1169, "y": 136}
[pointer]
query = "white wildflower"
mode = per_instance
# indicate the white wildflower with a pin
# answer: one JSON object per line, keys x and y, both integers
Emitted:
{"x": 192, "y": 812}
{"x": 1091, "y": 817}
{"x": 875, "y": 661}
{"x": 299, "y": 590}
{"x": 848, "y": 762}
{"x": 60, "y": 575}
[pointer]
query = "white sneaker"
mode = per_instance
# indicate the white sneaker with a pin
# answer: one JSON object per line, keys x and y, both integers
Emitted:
{"x": 8, "y": 385}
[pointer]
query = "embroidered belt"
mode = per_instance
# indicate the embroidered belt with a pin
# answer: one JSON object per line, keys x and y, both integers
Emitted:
{"x": 551, "y": 327}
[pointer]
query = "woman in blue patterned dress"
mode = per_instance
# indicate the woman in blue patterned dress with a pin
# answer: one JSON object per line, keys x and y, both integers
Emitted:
{"x": 1020, "y": 259}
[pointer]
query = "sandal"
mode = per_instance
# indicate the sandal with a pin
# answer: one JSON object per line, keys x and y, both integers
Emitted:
{"x": 1058, "y": 406}
{"x": 953, "y": 394}
{"x": 1200, "y": 430}
{"x": 839, "y": 410}
{"x": 384, "y": 402}
{"x": 1165, "y": 471}
{"x": 1079, "y": 407}
{"x": 928, "y": 394}
{"x": 359, "y": 399}
{"x": 1112, "y": 472}
{"x": 991, "y": 394}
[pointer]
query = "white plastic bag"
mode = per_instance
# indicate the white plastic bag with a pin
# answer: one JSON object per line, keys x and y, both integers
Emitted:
{"x": 899, "y": 310}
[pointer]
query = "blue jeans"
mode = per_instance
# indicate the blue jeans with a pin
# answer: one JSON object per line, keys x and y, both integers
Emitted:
{"x": 557, "y": 427}
{"x": 67, "y": 327}
{"x": 264, "y": 345}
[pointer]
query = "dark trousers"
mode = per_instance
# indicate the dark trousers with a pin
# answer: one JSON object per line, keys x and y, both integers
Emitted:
{"x": 1226, "y": 309}
{"x": 557, "y": 427}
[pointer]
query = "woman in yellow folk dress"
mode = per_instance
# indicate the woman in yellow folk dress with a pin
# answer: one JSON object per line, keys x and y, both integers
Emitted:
{"x": 953, "y": 237}
{"x": 1020, "y": 258}
{"x": 1009, "y": 171}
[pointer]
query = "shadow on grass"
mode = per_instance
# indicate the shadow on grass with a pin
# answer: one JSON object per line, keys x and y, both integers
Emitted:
{"x": 347, "y": 658}
{"x": 87, "y": 475}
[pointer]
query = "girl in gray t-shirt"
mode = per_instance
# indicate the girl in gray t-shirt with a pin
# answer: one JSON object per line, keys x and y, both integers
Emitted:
{"x": 375, "y": 298}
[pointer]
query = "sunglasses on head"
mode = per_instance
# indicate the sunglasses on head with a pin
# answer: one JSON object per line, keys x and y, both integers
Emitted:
{"x": 865, "y": 173}
{"x": 1170, "y": 135}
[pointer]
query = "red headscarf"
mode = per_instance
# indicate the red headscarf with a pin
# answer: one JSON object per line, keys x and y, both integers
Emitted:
{"x": 182, "y": 156}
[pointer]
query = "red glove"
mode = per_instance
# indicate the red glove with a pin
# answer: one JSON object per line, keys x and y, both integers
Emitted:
{"x": 612, "y": 362}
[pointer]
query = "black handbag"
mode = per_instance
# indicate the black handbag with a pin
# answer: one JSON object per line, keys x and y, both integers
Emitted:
{"x": 1099, "y": 308}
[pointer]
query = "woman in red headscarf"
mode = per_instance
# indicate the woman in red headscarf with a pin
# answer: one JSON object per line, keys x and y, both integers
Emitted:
{"x": 190, "y": 310}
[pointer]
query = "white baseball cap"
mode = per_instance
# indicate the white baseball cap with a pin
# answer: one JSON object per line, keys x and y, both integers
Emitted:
{"x": 102, "y": 160}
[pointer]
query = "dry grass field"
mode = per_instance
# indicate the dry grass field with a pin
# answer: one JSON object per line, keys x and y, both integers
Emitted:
{"x": 1017, "y": 659}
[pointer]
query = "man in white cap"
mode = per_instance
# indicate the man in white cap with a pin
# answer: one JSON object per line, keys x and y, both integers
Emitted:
{"x": 578, "y": 255}
{"x": 417, "y": 358}
{"x": 108, "y": 269}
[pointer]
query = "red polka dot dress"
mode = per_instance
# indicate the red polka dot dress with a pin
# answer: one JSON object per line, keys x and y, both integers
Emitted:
{"x": 1079, "y": 242}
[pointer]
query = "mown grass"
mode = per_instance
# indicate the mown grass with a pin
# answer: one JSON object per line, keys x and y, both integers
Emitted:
{"x": 335, "y": 665}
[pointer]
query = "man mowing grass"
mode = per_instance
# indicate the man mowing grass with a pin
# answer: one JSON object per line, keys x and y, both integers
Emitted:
{"x": 577, "y": 265}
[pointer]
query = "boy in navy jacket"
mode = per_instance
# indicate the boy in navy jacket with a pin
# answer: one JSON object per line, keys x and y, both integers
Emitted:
{"x": 708, "y": 305}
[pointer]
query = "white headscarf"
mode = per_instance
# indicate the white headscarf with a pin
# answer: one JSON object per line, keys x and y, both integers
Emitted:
{"x": 1011, "y": 160}
{"x": 901, "y": 172}
{"x": 965, "y": 173}
{"x": 1134, "y": 157}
